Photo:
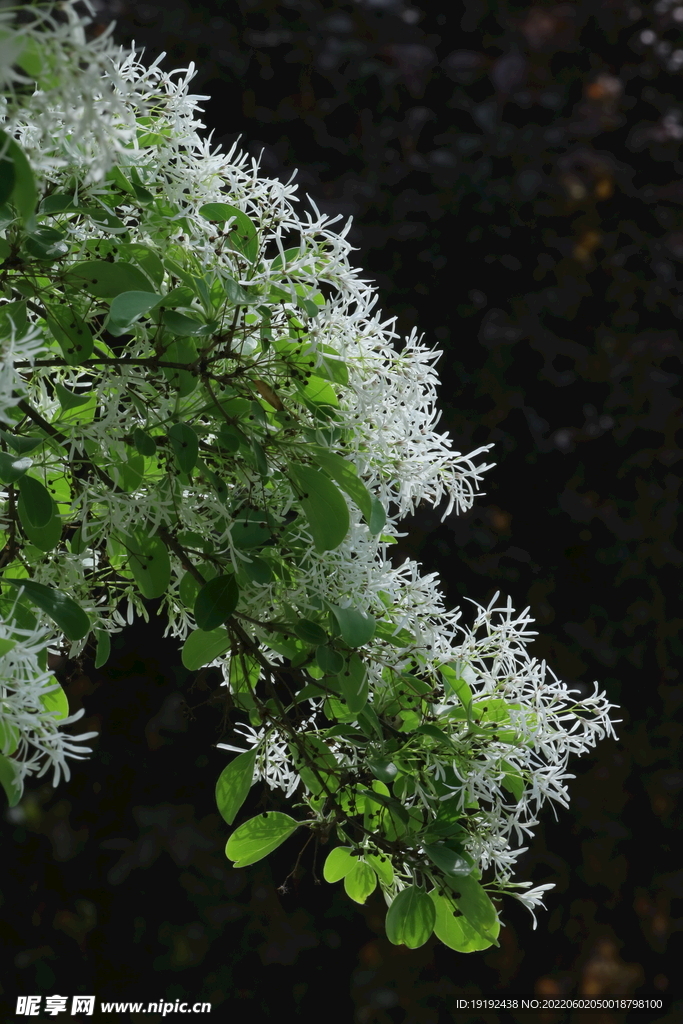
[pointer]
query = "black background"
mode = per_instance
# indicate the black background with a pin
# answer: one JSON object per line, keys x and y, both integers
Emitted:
{"x": 513, "y": 173}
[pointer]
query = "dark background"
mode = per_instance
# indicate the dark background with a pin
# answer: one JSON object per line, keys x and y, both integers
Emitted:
{"x": 514, "y": 177}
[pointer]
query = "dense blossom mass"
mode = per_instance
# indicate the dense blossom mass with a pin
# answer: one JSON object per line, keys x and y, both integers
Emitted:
{"x": 201, "y": 404}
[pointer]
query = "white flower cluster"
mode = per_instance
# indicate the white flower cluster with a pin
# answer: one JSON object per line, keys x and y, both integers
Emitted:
{"x": 99, "y": 108}
{"x": 29, "y": 729}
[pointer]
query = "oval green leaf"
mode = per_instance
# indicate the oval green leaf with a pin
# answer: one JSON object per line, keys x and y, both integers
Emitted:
{"x": 127, "y": 307}
{"x": 10, "y": 780}
{"x": 259, "y": 836}
{"x": 149, "y": 562}
{"x": 450, "y": 862}
{"x": 354, "y": 686}
{"x": 471, "y": 898}
{"x": 107, "y": 280}
{"x": 56, "y": 701}
{"x": 37, "y": 501}
{"x": 360, "y": 882}
{"x": 234, "y": 784}
{"x": 185, "y": 444}
{"x": 61, "y": 608}
{"x": 453, "y": 929}
{"x": 356, "y": 628}
{"x": 410, "y": 918}
{"x": 201, "y": 647}
{"x": 216, "y": 602}
{"x": 323, "y": 506}
{"x": 338, "y": 864}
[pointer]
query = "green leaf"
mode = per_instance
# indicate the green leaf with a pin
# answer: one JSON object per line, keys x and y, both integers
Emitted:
{"x": 513, "y": 780}
{"x": 472, "y": 900}
{"x": 310, "y": 632}
{"x": 360, "y": 881}
{"x": 450, "y": 862}
{"x": 103, "y": 647}
{"x": 107, "y": 280}
{"x": 309, "y": 753}
{"x": 69, "y": 399}
{"x": 13, "y": 467}
{"x": 72, "y": 333}
{"x": 382, "y": 867}
{"x": 410, "y": 918}
{"x": 383, "y": 769}
{"x": 457, "y": 685}
{"x": 11, "y": 780}
{"x": 354, "y": 685}
{"x": 181, "y": 325}
{"x": 149, "y": 562}
{"x": 201, "y": 647}
{"x": 185, "y": 444}
{"x": 181, "y": 350}
{"x": 345, "y": 474}
{"x": 216, "y": 602}
{"x": 453, "y": 929}
{"x": 46, "y": 244}
{"x": 24, "y": 195}
{"x": 338, "y": 864}
{"x": 356, "y": 628}
{"x": 323, "y": 506}
{"x": 145, "y": 444}
{"x": 55, "y": 700}
{"x": 9, "y": 734}
{"x": 330, "y": 661}
{"x": 378, "y": 517}
{"x": 7, "y": 174}
{"x": 243, "y": 235}
{"x": 47, "y": 537}
{"x": 257, "y": 570}
{"x": 250, "y": 530}
{"x": 259, "y": 836}
{"x": 37, "y": 501}
{"x": 69, "y": 616}
{"x": 234, "y": 784}
{"x": 127, "y": 307}
{"x": 316, "y": 391}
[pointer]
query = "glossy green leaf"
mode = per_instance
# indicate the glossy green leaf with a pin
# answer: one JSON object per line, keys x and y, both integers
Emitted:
{"x": 383, "y": 769}
{"x": 356, "y": 628}
{"x": 310, "y": 632}
{"x": 129, "y": 306}
{"x": 56, "y": 702}
{"x": 329, "y": 660}
{"x": 316, "y": 391}
{"x": 345, "y": 474}
{"x": 185, "y": 444}
{"x": 471, "y": 898}
{"x": 378, "y": 517}
{"x": 450, "y": 862}
{"x": 46, "y": 243}
{"x": 103, "y": 649}
{"x": 216, "y": 602}
{"x": 257, "y": 570}
{"x": 107, "y": 280}
{"x": 453, "y": 929}
{"x": 250, "y": 530}
{"x": 24, "y": 195}
{"x": 149, "y": 562}
{"x": 10, "y": 780}
{"x": 144, "y": 443}
{"x": 69, "y": 616}
{"x": 72, "y": 333}
{"x": 457, "y": 685}
{"x": 13, "y": 467}
{"x": 201, "y": 647}
{"x": 37, "y": 501}
{"x": 338, "y": 864}
{"x": 47, "y": 537}
{"x": 410, "y": 918}
{"x": 234, "y": 784}
{"x": 354, "y": 684}
{"x": 360, "y": 881}
{"x": 181, "y": 350}
{"x": 513, "y": 780}
{"x": 382, "y": 866}
{"x": 242, "y": 234}
{"x": 259, "y": 836}
{"x": 9, "y": 734}
{"x": 323, "y": 506}
{"x": 181, "y": 325}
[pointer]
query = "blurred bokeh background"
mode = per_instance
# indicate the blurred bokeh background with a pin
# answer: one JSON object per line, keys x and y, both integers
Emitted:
{"x": 513, "y": 172}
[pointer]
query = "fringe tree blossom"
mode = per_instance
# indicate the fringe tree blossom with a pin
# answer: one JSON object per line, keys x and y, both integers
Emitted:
{"x": 201, "y": 404}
